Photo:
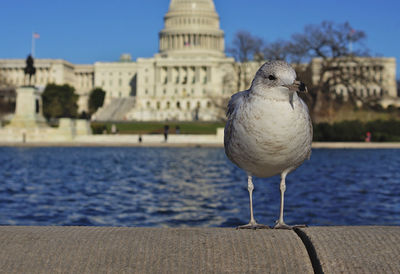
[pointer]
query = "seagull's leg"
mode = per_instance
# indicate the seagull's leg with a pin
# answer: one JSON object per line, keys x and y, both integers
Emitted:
{"x": 252, "y": 224}
{"x": 250, "y": 188}
{"x": 280, "y": 224}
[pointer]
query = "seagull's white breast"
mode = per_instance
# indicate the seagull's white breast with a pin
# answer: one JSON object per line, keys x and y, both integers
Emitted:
{"x": 267, "y": 136}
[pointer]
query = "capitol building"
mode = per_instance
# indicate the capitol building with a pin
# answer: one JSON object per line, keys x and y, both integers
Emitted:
{"x": 188, "y": 79}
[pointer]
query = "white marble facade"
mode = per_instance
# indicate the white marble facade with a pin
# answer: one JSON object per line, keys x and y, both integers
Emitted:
{"x": 55, "y": 71}
{"x": 184, "y": 81}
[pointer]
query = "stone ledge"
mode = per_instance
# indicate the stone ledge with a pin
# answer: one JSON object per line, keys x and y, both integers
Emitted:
{"x": 51, "y": 249}
{"x": 362, "y": 249}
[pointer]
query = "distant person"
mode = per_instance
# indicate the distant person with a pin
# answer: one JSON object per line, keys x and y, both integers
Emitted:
{"x": 140, "y": 139}
{"x": 166, "y": 129}
{"x": 113, "y": 129}
{"x": 368, "y": 137}
{"x": 177, "y": 130}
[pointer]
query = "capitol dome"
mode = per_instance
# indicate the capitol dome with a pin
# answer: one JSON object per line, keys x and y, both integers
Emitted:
{"x": 191, "y": 28}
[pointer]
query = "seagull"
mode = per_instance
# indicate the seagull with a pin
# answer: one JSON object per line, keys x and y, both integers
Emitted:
{"x": 269, "y": 130}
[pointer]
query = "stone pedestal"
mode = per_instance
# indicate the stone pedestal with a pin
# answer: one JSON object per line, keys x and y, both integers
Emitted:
{"x": 82, "y": 127}
{"x": 28, "y": 109}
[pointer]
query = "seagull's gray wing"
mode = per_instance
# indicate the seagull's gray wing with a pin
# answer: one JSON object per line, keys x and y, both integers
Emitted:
{"x": 234, "y": 104}
{"x": 235, "y": 101}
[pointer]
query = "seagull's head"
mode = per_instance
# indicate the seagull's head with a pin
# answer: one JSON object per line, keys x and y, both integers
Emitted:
{"x": 277, "y": 74}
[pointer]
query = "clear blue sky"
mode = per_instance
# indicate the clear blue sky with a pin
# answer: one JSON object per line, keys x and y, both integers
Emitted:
{"x": 86, "y": 31}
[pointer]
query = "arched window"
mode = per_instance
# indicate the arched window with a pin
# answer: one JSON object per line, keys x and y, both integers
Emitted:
{"x": 148, "y": 104}
{"x": 178, "y": 105}
{"x": 188, "y": 105}
{"x": 208, "y": 104}
{"x": 168, "y": 104}
{"x": 158, "y": 105}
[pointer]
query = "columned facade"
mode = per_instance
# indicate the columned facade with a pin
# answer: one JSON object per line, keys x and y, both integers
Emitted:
{"x": 184, "y": 80}
{"x": 54, "y": 71}
{"x": 190, "y": 78}
{"x": 192, "y": 28}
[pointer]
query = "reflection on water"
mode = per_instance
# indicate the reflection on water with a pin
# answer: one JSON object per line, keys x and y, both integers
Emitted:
{"x": 191, "y": 187}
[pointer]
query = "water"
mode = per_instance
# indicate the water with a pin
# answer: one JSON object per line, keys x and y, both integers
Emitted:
{"x": 172, "y": 187}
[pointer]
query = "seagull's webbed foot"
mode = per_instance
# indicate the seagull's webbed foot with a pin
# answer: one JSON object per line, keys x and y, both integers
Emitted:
{"x": 253, "y": 225}
{"x": 282, "y": 225}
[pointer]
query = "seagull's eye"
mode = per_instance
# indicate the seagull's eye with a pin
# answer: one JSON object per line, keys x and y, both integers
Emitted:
{"x": 271, "y": 77}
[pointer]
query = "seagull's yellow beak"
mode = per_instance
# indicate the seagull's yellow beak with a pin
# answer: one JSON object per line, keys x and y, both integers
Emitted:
{"x": 297, "y": 86}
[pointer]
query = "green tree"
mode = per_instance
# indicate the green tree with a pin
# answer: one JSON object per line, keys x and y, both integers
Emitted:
{"x": 60, "y": 101}
{"x": 96, "y": 99}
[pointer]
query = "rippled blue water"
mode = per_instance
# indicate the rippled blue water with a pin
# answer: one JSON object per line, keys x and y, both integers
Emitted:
{"x": 191, "y": 187}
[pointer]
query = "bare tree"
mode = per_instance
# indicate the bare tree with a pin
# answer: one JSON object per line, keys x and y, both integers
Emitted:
{"x": 245, "y": 48}
{"x": 327, "y": 40}
{"x": 326, "y": 56}
{"x": 277, "y": 50}
{"x": 220, "y": 100}
{"x": 333, "y": 50}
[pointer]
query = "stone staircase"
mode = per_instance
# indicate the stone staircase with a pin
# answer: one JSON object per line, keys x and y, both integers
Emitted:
{"x": 115, "y": 110}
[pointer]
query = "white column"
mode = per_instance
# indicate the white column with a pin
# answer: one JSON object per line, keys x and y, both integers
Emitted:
{"x": 158, "y": 75}
{"x": 169, "y": 75}
{"x": 198, "y": 75}
{"x": 176, "y": 41}
{"x": 182, "y": 41}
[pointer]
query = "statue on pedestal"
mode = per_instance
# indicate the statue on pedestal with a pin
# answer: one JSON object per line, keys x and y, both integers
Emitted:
{"x": 29, "y": 69}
